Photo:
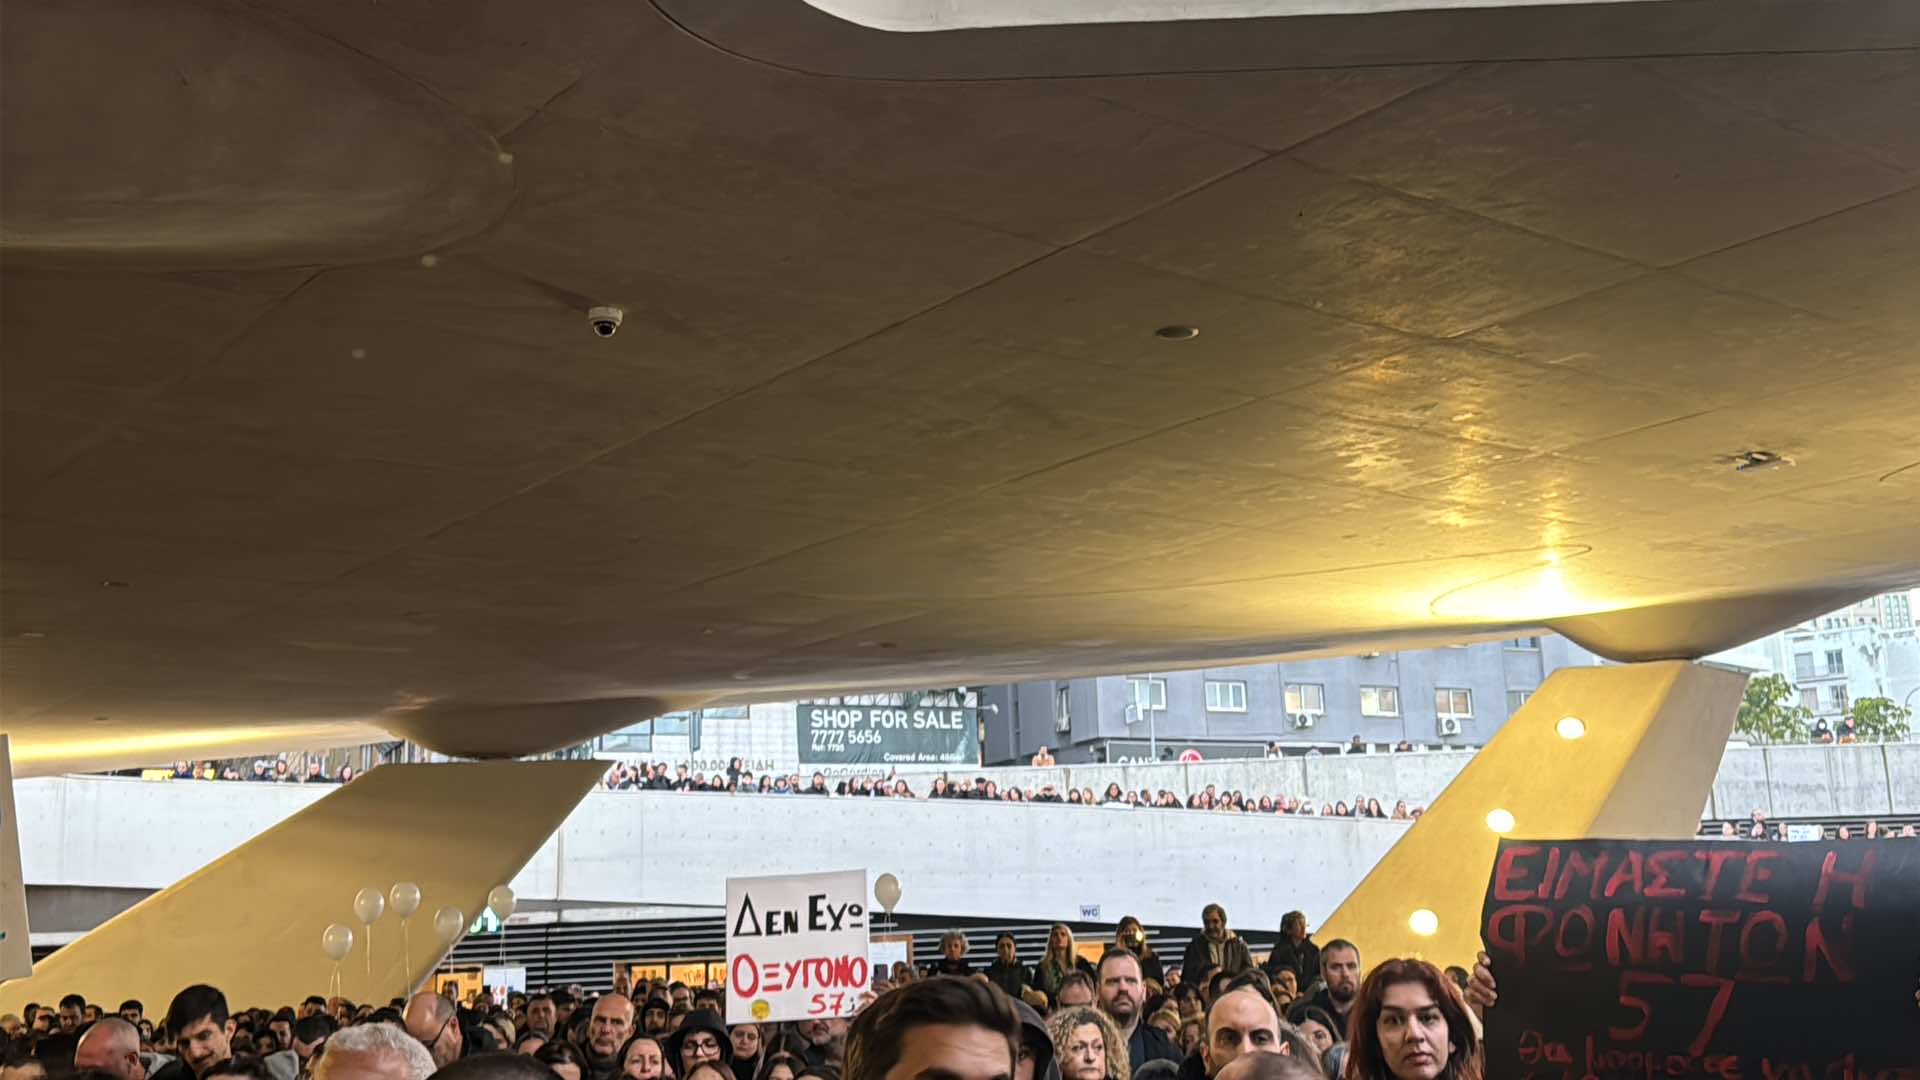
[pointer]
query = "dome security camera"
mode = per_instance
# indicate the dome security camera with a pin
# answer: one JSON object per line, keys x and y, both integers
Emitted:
{"x": 605, "y": 320}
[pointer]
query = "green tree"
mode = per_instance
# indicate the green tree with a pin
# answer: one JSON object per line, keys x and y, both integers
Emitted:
{"x": 1770, "y": 712}
{"x": 1878, "y": 719}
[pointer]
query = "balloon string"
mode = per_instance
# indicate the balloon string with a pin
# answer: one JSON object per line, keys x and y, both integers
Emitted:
{"x": 370, "y": 992}
{"x": 406, "y": 960}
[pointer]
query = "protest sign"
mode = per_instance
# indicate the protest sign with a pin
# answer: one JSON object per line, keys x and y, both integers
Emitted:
{"x": 796, "y": 946}
{"x": 1619, "y": 958}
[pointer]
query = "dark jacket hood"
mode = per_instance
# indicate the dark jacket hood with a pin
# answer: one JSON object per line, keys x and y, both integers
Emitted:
{"x": 1034, "y": 1029}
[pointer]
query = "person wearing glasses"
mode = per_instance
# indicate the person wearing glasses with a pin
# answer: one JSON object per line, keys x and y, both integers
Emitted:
{"x": 701, "y": 1038}
{"x": 433, "y": 1020}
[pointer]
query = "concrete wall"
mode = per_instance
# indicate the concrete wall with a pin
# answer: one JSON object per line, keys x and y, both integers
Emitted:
{"x": 1779, "y": 781}
{"x": 674, "y": 848}
{"x": 1034, "y": 862}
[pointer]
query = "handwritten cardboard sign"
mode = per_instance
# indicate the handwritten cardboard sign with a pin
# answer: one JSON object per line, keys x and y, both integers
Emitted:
{"x": 796, "y": 946}
{"x": 1778, "y": 961}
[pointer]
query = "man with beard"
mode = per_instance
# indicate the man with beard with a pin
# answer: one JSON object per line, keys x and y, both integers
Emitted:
{"x": 1215, "y": 948}
{"x": 1122, "y": 994}
{"x": 1340, "y": 966}
{"x": 203, "y": 1031}
{"x": 653, "y": 1018}
{"x": 608, "y": 1029}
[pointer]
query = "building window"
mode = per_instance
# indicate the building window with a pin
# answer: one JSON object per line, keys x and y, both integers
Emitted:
{"x": 1063, "y": 708}
{"x": 633, "y": 739}
{"x": 1532, "y": 643}
{"x": 1836, "y": 662}
{"x": 726, "y": 712}
{"x": 1839, "y": 698}
{"x": 1308, "y": 698}
{"x": 1803, "y": 665}
{"x": 1453, "y": 704}
{"x": 1379, "y": 701}
{"x": 1515, "y": 699}
{"x": 1226, "y": 696}
{"x": 1148, "y": 694}
{"x": 1810, "y": 698}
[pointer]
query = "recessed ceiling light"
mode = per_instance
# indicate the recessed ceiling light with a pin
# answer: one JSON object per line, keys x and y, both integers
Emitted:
{"x": 111, "y": 583}
{"x": 1500, "y": 821}
{"x": 1177, "y": 333}
{"x": 1424, "y": 922}
{"x": 1754, "y": 460}
{"x": 1571, "y": 727}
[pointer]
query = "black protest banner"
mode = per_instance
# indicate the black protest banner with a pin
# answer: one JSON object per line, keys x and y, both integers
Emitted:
{"x": 1618, "y": 958}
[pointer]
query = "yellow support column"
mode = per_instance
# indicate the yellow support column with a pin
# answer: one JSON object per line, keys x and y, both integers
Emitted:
{"x": 1626, "y": 751}
{"x": 250, "y": 921}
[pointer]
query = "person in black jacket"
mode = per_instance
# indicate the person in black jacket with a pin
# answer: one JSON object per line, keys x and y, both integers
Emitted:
{"x": 953, "y": 955}
{"x": 1215, "y": 948}
{"x": 1006, "y": 971}
{"x": 1295, "y": 951}
{"x": 1122, "y": 995}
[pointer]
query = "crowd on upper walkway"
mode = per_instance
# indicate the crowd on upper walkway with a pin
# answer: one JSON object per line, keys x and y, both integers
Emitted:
{"x": 277, "y": 769}
{"x": 658, "y": 776}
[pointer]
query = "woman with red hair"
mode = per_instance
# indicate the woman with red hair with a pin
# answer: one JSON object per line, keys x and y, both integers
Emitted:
{"x": 1409, "y": 1022}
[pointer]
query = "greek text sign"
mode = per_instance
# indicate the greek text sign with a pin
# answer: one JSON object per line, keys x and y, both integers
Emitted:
{"x": 796, "y": 946}
{"x": 1622, "y": 958}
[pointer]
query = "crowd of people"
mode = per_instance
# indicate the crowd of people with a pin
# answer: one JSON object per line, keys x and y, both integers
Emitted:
{"x": 1757, "y": 826}
{"x": 1129, "y": 1016}
{"x": 1305, "y": 1011}
{"x": 736, "y": 779}
{"x": 264, "y": 770}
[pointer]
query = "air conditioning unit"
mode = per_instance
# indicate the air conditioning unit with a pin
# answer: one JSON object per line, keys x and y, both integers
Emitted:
{"x": 1449, "y": 725}
{"x": 1303, "y": 720}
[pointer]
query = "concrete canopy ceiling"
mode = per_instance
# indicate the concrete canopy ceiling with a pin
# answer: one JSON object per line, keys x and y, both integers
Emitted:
{"x": 305, "y": 434}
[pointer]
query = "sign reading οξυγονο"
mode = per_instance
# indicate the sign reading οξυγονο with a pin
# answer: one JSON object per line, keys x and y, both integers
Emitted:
{"x": 796, "y": 946}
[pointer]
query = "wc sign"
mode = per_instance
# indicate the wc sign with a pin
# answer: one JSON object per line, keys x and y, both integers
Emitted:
{"x": 796, "y": 946}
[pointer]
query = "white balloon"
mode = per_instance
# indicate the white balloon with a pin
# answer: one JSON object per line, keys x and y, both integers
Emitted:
{"x": 886, "y": 889}
{"x": 500, "y": 902}
{"x": 336, "y": 941}
{"x": 448, "y": 922}
{"x": 405, "y": 899}
{"x": 368, "y": 904}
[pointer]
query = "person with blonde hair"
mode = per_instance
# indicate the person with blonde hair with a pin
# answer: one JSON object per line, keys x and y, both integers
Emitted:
{"x": 1087, "y": 1046}
{"x": 1060, "y": 961}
